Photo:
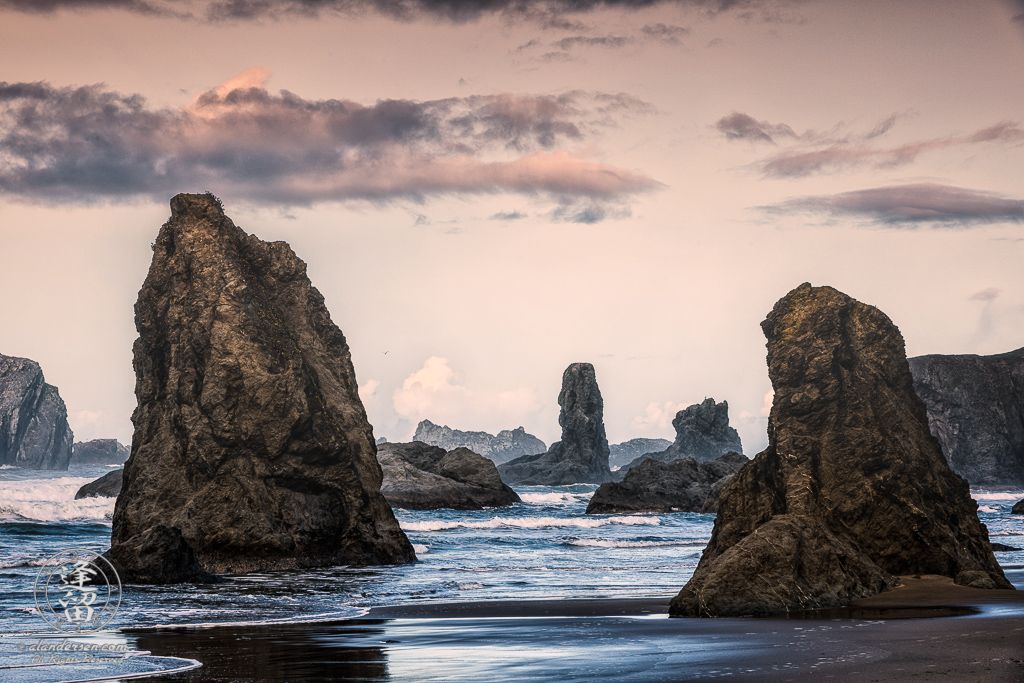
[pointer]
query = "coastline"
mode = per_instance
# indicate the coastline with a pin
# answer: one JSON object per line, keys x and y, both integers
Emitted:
{"x": 904, "y": 635}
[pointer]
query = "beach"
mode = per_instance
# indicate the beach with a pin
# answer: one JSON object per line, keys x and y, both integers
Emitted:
{"x": 928, "y": 629}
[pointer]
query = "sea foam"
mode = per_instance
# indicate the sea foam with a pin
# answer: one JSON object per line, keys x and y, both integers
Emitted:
{"x": 530, "y": 523}
{"x": 51, "y": 500}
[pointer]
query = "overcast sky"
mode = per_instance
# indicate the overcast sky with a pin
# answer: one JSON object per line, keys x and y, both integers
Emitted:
{"x": 488, "y": 190}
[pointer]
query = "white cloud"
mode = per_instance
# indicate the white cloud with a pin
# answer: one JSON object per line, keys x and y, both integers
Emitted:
{"x": 766, "y": 403}
{"x": 368, "y": 391}
{"x": 435, "y": 392}
{"x": 657, "y": 416}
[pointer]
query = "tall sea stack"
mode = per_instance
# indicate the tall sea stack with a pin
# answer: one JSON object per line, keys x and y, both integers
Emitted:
{"x": 34, "y": 431}
{"x": 251, "y": 445}
{"x": 582, "y": 454}
{"x": 852, "y": 490}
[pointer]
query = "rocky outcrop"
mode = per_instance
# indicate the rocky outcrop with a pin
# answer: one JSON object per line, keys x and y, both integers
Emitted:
{"x": 627, "y": 451}
{"x": 250, "y": 439}
{"x": 976, "y": 411}
{"x": 702, "y": 433}
{"x": 34, "y": 431}
{"x": 1018, "y": 508}
{"x": 419, "y": 476}
{"x": 107, "y": 486}
{"x": 852, "y": 490}
{"x": 581, "y": 457}
{"x": 99, "y": 452}
{"x": 508, "y": 444}
{"x": 682, "y": 485}
{"x": 158, "y": 555}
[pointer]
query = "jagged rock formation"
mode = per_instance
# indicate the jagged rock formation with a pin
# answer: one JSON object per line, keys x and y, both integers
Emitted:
{"x": 852, "y": 490}
{"x": 682, "y": 485}
{"x": 702, "y": 433}
{"x": 99, "y": 452}
{"x": 107, "y": 486}
{"x": 976, "y": 411}
{"x": 582, "y": 454}
{"x": 419, "y": 476}
{"x": 1018, "y": 508}
{"x": 34, "y": 431}
{"x": 250, "y": 438}
{"x": 627, "y": 451}
{"x": 508, "y": 444}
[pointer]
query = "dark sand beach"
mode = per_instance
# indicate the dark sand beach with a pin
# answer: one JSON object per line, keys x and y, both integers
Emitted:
{"x": 927, "y": 629}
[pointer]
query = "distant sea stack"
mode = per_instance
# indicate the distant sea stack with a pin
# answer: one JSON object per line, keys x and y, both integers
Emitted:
{"x": 99, "y": 452}
{"x": 34, "y": 431}
{"x": 702, "y": 433}
{"x": 508, "y": 444}
{"x": 419, "y": 476}
{"x": 582, "y": 454}
{"x": 627, "y": 451}
{"x": 681, "y": 485}
{"x": 107, "y": 486}
{"x": 251, "y": 446}
{"x": 976, "y": 411}
{"x": 852, "y": 490}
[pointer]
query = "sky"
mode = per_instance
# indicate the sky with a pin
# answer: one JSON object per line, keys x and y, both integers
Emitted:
{"x": 486, "y": 191}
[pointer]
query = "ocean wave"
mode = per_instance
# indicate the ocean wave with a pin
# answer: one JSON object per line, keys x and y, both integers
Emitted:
{"x": 531, "y": 523}
{"x": 1001, "y": 495}
{"x": 608, "y": 543}
{"x": 351, "y": 613}
{"x": 554, "y": 497}
{"x": 986, "y": 508}
{"x": 51, "y": 500}
{"x": 420, "y": 549}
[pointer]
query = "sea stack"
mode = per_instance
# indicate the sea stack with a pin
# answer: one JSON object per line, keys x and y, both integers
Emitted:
{"x": 34, "y": 431}
{"x": 251, "y": 444}
{"x": 581, "y": 457}
{"x": 852, "y": 491}
{"x": 508, "y": 444}
{"x": 99, "y": 452}
{"x": 976, "y": 411}
{"x": 702, "y": 433}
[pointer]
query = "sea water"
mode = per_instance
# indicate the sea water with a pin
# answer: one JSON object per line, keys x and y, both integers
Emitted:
{"x": 544, "y": 547}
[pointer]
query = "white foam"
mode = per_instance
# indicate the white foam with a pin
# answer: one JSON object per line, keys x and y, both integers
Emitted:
{"x": 986, "y": 508}
{"x": 311, "y": 619}
{"x": 420, "y": 549}
{"x": 984, "y": 495}
{"x": 470, "y": 586}
{"x": 601, "y": 543}
{"x": 531, "y": 523}
{"x": 51, "y": 500}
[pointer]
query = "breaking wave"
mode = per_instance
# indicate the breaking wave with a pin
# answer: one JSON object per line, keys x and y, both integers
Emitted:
{"x": 530, "y": 523}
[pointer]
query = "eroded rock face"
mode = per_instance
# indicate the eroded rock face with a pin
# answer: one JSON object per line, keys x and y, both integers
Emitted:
{"x": 508, "y": 444}
{"x": 976, "y": 411}
{"x": 34, "y": 431}
{"x": 99, "y": 452}
{"x": 682, "y": 485}
{"x": 702, "y": 433}
{"x": 627, "y": 451}
{"x": 1018, "y": 508}
{"x": 107, "y": 486}
{"x": 582, "y": 454}
{"x": 852, "y": 490}
{"x": 419, "y": 476}
{"x": 250, "y": 438}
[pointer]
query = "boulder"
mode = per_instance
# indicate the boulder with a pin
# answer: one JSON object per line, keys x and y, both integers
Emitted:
{"x": 99, "y": 452}
{"x": 1018, "y": 508}
{"x": 852, "y": 490}
{"x": 107, "y": 486}
{"x": 702, "y": 433}
{"x": 419, "y": 476}
{"x": 627, "y": 451}
{"x": 508, "y": 444}
{"x": 250, "y": 439}
{"x": 976, "y": 410}
{"x": 682, "y": 485}
{"x": 34, "y": 431}
{"x": 581, "y": 457}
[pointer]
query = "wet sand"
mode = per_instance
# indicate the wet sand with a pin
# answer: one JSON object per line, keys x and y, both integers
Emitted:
{"x": 904, "y": 635}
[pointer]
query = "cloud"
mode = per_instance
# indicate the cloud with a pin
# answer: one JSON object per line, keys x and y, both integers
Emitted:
{"x": 740, "y": 126}
{"x": 987, "y": 294}
{"x": 666, "y": 33}
{"x": 241, "y": 141}
{"x": 571, "y": 42}
{"x": 435, "y": 392}
{"x": 549, "y": 13}
{"x": 657, "y": 416}
{"x": 912, "y": 204}
{"x": 368, "y": 391}
{"x": 508, "y": 216}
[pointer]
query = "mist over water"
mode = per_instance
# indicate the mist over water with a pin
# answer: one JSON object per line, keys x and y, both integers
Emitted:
{"x": 544, "y": 547}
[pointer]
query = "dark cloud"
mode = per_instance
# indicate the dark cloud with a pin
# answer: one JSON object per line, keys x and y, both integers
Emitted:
{"x": 987, "y": 294}
{"x": 740, "y": 126}
{"x": 82, "y": 144}
{"x": 666, "y": 33}
{"x": 912, "y": 204}
{"x": 508, "y": 216}
{"x": 571, "y": 42}
{"x": 550, "y": 13}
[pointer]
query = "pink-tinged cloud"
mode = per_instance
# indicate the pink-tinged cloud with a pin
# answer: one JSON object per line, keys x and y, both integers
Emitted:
{"x": 740, "y": 126}
{"x": 239, "y": 140}
{"x": 987, "y": 294}
{"x": 926, "y": 204}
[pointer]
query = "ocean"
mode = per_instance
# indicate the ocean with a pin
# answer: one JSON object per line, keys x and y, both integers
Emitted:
{"x": 544, "y": 547}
